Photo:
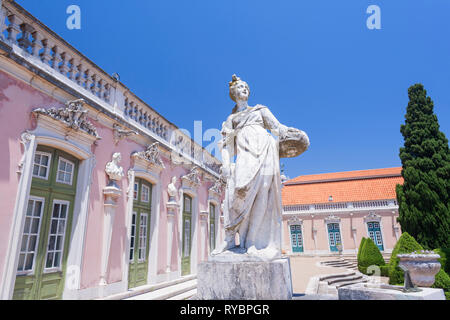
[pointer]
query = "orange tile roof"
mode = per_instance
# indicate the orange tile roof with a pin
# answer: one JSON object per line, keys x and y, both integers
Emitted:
{"x": 362, "y": 185}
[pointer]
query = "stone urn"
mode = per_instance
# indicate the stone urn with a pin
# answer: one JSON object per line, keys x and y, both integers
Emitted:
{"x": 422, "y": 266}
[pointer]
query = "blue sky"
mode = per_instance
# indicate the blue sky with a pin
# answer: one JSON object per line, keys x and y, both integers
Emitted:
{"x": 314, "y": 63}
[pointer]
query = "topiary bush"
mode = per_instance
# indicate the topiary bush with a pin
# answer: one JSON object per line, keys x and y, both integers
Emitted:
{"x": 442, "y": 280}
{"x": 445, "y": 255}
{"x": 361, "y": 244}
{"x": 370, "y": 255}
{"x": 406, "y": 244}
{"x": 385, "y": 271}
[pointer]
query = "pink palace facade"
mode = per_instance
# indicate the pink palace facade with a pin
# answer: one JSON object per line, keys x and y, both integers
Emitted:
{"x": 67, "y": 230}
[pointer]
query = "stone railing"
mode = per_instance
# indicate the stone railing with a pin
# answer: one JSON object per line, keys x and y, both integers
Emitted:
{"x": 341, "y": 206}
{"x": 47, "y": 52}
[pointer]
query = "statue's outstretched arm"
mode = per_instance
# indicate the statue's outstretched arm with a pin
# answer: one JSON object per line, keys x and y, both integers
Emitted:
{"x": 271, "y": 123}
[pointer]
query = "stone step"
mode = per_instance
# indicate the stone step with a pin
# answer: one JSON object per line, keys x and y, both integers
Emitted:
{"x": 149, "y": 288}
{"x": 343, "y": 284}
{"x": 184, "y": 296}
{"x": 345, "y": 279}
{"x": 337, "y": 276}
{"x": 167, "y": 292}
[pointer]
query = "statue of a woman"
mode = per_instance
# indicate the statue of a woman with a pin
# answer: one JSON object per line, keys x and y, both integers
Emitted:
{"x": 252, "y": 202}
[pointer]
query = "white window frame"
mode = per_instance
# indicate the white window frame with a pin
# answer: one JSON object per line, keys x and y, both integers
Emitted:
{"x": 41, "y": 153}
{"x": 31, "y": 272}
{"x": 56, "y": 269}
{"x": 65, "y": 172}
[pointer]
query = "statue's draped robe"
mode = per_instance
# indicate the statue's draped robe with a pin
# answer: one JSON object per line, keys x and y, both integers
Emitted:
{"x": 253, "y": 195}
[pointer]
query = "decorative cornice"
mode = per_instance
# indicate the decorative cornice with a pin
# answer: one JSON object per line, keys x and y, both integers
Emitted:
{"x": 152, "y": 154}
{"x": 74, "y": 116}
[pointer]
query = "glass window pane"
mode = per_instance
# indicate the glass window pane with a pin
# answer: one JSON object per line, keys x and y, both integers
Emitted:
{"x": 61, "y": 226}
{"x": 43, "y": 172}
{"x": 44, "y": 160}
{"x": 24, "y": 243}
{"x": 63, "y": 211}
{"x": 57, "y": 260}
{"x": 37, "y": 208}
{"x": 20, "y": 266}
{"x": 35, "y": 226}
{"x": 32, "y": 243}
{"x": 37, "y": 158}
{"x": 26, "y": 228}
{"x": 29, "y": 261}
{"x": 51, "y": 243}
{"x": 49, "y": 263}
{"x": 35, "y": 170}
{"x": 56, "y": 210}
{"x": 54, "y": 226}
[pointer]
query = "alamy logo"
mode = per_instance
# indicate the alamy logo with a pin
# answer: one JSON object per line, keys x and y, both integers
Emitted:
{"x": 374, "y": 20}
{"x": 74, "y": 20}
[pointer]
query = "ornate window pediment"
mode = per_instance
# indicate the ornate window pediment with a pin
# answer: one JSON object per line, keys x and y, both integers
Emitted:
{"x": 372, "y": 217}
{"x": 332, "y": 219}
{"x": 218, "y": 186}
{"x": 193, "y": 177}
{"x": 295, "y": 220}
{"x": 72, "y": 118}
{"x": 151, "y": 155}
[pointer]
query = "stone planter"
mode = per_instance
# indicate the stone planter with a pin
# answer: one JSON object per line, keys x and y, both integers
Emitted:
{"x": 422, "y": 267}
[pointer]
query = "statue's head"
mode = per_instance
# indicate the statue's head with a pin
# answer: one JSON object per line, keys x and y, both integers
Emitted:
{"x": 174, "y": 179}
{"x": 117, "y": 157}
{"x": 239, "y": 90}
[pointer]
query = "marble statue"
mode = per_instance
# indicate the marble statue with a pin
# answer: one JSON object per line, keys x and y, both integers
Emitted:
{"x": 172, "y": 190}
{"x": 252, "y": 202}
{"x": 113, "y": 169}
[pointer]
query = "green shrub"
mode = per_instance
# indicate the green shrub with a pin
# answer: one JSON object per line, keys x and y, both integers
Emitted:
{"x": 384, "y": 271}
{"x": 406, "y": 244}
{"x": 370, "y": 255}
{"x": 361, "y": 244}
{"x": 445, "y": 255}
{"x": 442, "y": 280}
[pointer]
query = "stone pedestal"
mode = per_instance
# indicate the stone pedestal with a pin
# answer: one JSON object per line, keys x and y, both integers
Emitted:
{"x": 362, "y": 291}
{"x": 255, "y": 280}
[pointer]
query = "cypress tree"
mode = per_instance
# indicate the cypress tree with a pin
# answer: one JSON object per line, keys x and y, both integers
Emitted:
{"x": 424, "y": 202}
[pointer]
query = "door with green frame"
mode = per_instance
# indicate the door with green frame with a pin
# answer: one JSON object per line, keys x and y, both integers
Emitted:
{"x": 375, "y": 234}
{"x": 296, "y": 238}
{"x": 334, "y": 236}
{"x": 212, "y": 227}
{"x": 48, "y": 221}
{"x": 140, "y": 234}
{"x": 187, "y": 230}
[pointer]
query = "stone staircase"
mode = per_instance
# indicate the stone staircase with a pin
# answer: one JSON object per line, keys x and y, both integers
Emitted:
{"x": 348, "y": 263}
{"x": 178, "y": 289}
{"x": 330, "y": 283}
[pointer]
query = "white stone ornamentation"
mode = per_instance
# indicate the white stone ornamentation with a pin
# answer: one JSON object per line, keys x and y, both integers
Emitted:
{"x": 113, "y": 169}
{"x": 422, "y": 266}
{"x": 193, "y": 177}
{"x": 74, "y": 116}
{"x": 172, "y": 190}
{"x": 151, "y": 154}
{"x": 119, "y": 134}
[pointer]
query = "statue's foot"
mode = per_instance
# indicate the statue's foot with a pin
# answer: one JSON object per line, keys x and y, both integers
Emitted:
{"x": 224, "y": 246}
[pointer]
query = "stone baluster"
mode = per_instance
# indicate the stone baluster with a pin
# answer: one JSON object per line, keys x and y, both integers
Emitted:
{"x": 64, "y": 67}
{"x": 148, "y": 125}
{"x": 89, "y": 80}
{"x": 37, "y": 45}
{"x": 73, "y": 69}
{"x": 126, "y": 107}
{"x": 2, "y": 21}
{"x": 46, "y": 54}
{"x": 139, "y": 116}
{"x": 101, "y": 88}
{"x": 135, "y": 112}
{"x": 94, "y": 88}
{"x": 81, "y": 80}
{"x": 144, "y": 119}
{"x": 13, "y": 28}
{"x": 24, "y": 41}
{"x": 131, "y": 110}
{"x": 56, "y": 58}
{"x": 107, "y": 93}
